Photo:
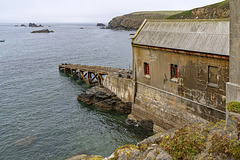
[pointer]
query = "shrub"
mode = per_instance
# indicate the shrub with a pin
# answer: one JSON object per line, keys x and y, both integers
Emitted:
{"x": 222, "y": 144}
{"x": 185, "y": 144}
{"x": 233, "y": 106}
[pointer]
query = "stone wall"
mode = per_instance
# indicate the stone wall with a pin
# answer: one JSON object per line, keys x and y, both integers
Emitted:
{"x": 122, "y": 87}
{"x": 168, "y": 110}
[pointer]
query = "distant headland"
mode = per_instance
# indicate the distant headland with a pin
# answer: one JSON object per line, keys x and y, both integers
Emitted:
{"x": 133, "y": 21}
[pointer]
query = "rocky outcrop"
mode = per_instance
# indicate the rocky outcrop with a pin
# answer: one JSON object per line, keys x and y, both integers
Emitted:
{"x": 124, "y": 23}
{"x": 104, "y": 99}
{"x": 43, "y": 31}
{"x": 101, "y": 24}
{"x": 34, "y": 25}
{"x": 198, "y": 142}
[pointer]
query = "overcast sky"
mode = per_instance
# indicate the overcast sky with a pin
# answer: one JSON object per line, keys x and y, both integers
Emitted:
{"x": 24, "y": 11}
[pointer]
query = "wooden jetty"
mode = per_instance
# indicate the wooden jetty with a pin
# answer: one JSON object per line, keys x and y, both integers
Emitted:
{"x": 92, "y": 74}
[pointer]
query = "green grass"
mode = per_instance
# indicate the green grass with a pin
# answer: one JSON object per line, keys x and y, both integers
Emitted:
{"x": 210, "y": 9}
{"x": 151, "y": 14}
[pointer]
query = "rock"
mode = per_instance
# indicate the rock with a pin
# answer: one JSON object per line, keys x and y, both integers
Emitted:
{"x": 26, "y": 141}
{"x": 23, "y": 25}
{"x": 100, "y": 24}
{"x": 104, "y": 99}
{"x": 163, "y": 155}
{"x": 81, "y": 28}
{"x": 42, "y": 31}
{"x": 147, "y": 124}
{"x": 34, "y": 25}
{"x": 103, "y": 27}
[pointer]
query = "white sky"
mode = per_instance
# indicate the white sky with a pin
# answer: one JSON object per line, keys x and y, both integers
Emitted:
{"x": 82, "y": 11}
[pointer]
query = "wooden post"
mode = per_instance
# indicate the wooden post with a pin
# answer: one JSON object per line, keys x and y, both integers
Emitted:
{"x": 83, "y": 76}
{"x": 79, "y": 75}
{"x": 95, "y": 75}
{"x": 71, "y": 72}
{"x": 89, "y": 77}
{"x": 99, "y": 79}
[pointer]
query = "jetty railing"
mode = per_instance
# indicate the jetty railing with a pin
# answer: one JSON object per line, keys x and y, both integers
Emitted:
{"x": 92, "y": 74}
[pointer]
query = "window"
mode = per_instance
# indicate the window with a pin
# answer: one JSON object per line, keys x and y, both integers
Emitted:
{"x": 212, "y": 75}
{"x": 174, "y": 71}
{"x": 146, "y": 68}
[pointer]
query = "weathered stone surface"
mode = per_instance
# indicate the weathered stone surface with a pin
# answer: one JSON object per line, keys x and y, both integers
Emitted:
{"x": 42, "y": 31}
{"x": 103, "y": 98}
{"x": 233, "y": 86}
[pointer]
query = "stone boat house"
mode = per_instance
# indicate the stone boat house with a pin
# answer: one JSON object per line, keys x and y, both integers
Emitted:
{"x": 180, "y": 71}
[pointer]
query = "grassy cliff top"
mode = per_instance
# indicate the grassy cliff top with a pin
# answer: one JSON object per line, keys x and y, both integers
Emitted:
{"x": 214, "y": 11}
{"x": 152, "y": 14}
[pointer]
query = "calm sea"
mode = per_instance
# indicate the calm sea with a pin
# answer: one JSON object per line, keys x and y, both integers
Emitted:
{"x": 40, "y": 117}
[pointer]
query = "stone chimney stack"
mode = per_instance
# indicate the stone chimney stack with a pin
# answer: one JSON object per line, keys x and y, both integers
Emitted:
{"x": 233, "y": 86}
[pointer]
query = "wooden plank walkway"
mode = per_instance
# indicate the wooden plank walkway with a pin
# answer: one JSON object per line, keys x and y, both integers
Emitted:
{"x": 91, "y": 73}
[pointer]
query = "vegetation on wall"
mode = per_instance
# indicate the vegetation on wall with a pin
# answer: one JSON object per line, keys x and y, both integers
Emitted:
{"x": 233, "y": 106}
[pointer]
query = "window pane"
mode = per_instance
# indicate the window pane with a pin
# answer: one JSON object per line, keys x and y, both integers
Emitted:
{"x": 174, "y": 71}
{"x": 146, "y": 68}
{"x": 212, "y": 74}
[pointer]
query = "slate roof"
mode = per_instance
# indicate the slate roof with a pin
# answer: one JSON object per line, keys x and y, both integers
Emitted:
{"x": 195, "y": 35}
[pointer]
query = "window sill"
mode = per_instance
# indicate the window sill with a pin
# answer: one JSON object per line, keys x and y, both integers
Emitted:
{"x": 175, "y": 80}
{"x": 147, "y": 76}
{"x": 213, "y": 85}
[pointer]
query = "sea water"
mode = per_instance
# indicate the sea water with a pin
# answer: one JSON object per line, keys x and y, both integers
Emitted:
{"x": 40, "y": 117}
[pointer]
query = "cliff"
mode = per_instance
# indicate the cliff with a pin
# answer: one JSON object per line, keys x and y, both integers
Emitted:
{"x": 214, "y": 11}
{"x": 133, "y": 20}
